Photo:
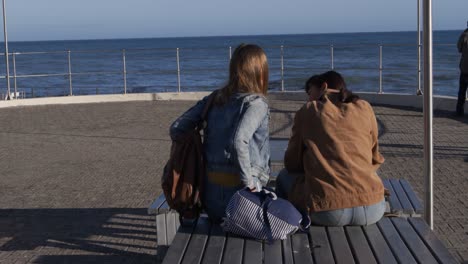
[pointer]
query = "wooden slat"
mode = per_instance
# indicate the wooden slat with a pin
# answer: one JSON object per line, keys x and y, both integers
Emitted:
{"x": 418, "y": 208}
{"x": 402, "y": 197}
{"x": 161, "y": 229}
{"x": 154, "y": 207}
{"x": 395, "y": 206}
{"x": 273, "y": 253}
{"x": 381, "y": 250}
{"x": 339, "y": 245}
{"x": 287, "y": 251}
{"x": 432, "y": 242}
{"x": 171, "y": 226}
{"x": 274, "y": 175}
{"x": 414, "y": 242}
{"x": 398, "y": 247}
{"x": 176, "y": 251}
{"x": 359, "y": 245}
{"x": 215, "y": 246}
{"x": 234, "y": 250}
{"x": 198, "y": 241}
{"x": 277, "y": 149}
{"x": 253, "y": 251}
{"x": 301, "y": 248}
{"x": 321, "y": 249}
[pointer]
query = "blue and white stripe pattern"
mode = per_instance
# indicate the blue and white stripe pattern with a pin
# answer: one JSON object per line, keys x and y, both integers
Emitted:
{"x": 245, "y": 216}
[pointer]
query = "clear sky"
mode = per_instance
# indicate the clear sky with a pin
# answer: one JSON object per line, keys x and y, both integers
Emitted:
{"x": 101, "y": 19}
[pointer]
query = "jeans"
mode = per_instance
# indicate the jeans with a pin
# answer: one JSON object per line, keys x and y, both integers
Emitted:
{"x": 462, "y": 93}
{"x": 216, "y": 198}
{"x": 359, "y": 215}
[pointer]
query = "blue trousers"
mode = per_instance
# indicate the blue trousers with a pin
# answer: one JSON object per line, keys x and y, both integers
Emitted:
{"x": 360, "y": 215}
{"x": 216, "y": 198}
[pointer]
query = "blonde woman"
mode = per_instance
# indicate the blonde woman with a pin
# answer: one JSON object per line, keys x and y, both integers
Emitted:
{"x": 236, "y": 139}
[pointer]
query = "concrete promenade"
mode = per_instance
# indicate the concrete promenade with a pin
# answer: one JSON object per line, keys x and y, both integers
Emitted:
{"x": 75, "y": 180}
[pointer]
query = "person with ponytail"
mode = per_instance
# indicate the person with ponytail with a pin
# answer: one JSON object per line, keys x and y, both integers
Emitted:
{"x": 333, "y": 156}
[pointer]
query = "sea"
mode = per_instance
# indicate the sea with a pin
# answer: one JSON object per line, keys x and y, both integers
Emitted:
{"x": 366, "y": 60}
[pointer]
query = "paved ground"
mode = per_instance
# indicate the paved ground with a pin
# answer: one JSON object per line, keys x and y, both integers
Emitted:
{"x": 76, "y": 180}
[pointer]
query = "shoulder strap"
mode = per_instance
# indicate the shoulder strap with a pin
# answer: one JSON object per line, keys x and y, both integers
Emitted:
{"x": 265, "y": 204}
{"x": 206, "y": 109}
{"x": 208, "y": 105}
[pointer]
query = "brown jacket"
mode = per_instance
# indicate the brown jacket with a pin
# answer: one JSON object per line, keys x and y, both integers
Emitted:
{"x": 337, "y": 149}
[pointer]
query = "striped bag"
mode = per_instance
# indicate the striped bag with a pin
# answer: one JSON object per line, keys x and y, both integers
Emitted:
{"x": 262, "y": 215}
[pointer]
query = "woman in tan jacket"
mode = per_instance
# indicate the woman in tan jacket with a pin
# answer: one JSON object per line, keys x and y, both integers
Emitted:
{"x": 333, "y": 156}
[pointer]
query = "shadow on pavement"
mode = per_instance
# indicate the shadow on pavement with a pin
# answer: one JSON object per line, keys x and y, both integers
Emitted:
{"x": 107, "y": 235}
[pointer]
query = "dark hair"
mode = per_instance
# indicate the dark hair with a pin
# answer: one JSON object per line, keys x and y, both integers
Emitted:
{"x": 334, "y": 80}
{"x": 248, "y": 73}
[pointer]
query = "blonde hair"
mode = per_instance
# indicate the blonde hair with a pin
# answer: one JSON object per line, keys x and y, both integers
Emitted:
{"x": 248, "y": 73}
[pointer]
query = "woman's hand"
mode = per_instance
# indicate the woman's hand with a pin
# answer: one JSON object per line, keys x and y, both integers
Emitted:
{"x": 255, "y": 187}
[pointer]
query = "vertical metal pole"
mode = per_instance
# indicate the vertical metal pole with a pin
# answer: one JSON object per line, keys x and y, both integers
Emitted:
{"x": 7, "y": 64}
{"x": 380, "y": 69}
{"x": 14, "y": 75}
{"x": 428, "y": 144}
{"x": 178, "y": 71}
{"x": 332, "y": 55}
{"x": 70, "y": 73}
{"x": 230, "y": 52}
{"x": 124, "y": 71}
{"x": 419, "y": 92}
{"x": 282, "y": 68}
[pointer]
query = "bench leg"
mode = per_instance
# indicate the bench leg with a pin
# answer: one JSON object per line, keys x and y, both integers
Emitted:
{"x": 166, "y": 227}
{"x": 161, "y": 230}
{"x": 172, "y": 219}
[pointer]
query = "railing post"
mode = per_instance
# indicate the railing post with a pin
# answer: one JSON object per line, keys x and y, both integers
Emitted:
{"x": 14, "y": 74}
{"x": 419, "y": 91}
{"x": 380, "y": 69}
{"x": 5, "y": 38}
{"x": 124, "y": 71}
{"x": 428, "y": 114}
{"x": 282, "y": 68}
{"x": 332, "y": 55}
{"x": 70, "y": 73}
{"x": 230, "y": 52}
{"x": 178, "y": 71}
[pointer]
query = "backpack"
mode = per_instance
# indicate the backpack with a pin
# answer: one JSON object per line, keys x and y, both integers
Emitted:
{"x": 182, "y": 180}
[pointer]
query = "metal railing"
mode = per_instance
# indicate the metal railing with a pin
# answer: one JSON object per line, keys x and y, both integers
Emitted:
{"x": 124, "y": 73}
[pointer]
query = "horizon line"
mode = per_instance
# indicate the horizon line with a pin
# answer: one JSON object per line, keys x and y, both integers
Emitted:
{"x": 224, "y": 36}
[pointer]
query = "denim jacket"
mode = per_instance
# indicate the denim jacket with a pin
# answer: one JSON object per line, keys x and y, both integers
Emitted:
{"x": 236, "y": 138}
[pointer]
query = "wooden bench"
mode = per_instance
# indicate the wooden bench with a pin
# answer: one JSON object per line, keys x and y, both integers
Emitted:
{"x": 391, "y": 240}
{"x": 401, "y": 202}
